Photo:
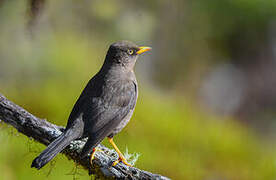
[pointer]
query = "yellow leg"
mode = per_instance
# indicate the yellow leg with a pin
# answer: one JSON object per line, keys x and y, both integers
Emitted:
{"x": 121, "y": 157}
{"x": 92, "y": 155}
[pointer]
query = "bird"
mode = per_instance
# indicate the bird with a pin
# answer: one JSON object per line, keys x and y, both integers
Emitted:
{"x": 104, "y": 107}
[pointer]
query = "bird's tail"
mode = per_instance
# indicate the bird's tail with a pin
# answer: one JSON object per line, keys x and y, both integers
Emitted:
{"x": 53, "y": 149}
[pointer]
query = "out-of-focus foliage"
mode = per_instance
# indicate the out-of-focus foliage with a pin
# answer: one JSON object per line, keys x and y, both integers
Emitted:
{"x": 219, "y": 53}
{"x": 174, "y": 139}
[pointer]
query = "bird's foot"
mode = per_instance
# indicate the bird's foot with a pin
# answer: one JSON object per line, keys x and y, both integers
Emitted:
{"x": 123, "y": 160}
{"x": 92, "y": 156}
{"x": 121, "y": 157}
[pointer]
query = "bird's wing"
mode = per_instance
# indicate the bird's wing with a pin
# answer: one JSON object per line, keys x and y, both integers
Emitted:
{"x": 107, "y": 112}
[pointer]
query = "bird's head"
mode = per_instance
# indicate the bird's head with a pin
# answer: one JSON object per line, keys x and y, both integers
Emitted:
{"x": 124, "y": 53}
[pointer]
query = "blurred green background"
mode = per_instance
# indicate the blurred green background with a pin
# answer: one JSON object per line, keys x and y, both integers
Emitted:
{"x": 207, "y": 90}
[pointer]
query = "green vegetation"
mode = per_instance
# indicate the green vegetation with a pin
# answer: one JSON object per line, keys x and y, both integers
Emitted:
{"x": 44, "y": 70}
{"x": 173, "y": 138}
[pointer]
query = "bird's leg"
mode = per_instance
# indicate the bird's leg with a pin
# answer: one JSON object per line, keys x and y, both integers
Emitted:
{"x": 92, "y": 156}
{"x": 121, "y": 157}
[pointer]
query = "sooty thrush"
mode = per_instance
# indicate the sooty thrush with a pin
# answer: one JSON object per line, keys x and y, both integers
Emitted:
{"x": 105, "y": 105}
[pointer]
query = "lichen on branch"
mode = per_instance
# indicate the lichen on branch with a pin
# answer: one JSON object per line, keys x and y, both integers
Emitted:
{"x": 45, "y": 132}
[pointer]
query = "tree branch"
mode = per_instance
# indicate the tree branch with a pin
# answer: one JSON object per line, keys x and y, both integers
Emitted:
{"x": 45, "y": 132}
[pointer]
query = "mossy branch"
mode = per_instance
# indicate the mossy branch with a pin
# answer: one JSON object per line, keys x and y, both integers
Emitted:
{"x": 45, "y": 132}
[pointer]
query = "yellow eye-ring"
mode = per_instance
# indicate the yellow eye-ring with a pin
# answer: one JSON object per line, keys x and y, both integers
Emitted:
{"x": 130, "y": 51}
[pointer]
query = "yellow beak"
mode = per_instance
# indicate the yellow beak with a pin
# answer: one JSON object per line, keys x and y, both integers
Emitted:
{"x": 143, "y": 49}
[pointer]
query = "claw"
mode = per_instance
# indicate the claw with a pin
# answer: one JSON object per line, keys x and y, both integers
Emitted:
{"x": 92, "y": 156}
{"x": 123, "y": 160}
{"x": 121, "y": 157}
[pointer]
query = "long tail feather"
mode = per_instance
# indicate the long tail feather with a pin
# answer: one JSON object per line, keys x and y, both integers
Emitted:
{"x": 53, "y": 149}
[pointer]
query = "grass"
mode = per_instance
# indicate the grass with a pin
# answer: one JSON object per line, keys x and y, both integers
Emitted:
{"x": 173, "y": 137}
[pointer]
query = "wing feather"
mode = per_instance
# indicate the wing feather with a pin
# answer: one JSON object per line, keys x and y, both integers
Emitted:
{"x": 108, "y": 111}
{"x": 103, "y": 108}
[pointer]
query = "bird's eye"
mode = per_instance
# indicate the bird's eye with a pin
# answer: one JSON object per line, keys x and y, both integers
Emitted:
{"x": 130, "y": 51}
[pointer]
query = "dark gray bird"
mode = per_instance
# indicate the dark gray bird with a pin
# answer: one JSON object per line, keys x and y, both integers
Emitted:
{"x": 105, "y": 105}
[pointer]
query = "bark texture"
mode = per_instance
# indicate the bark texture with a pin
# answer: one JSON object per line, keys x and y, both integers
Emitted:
{"x": 45, "y": 132}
